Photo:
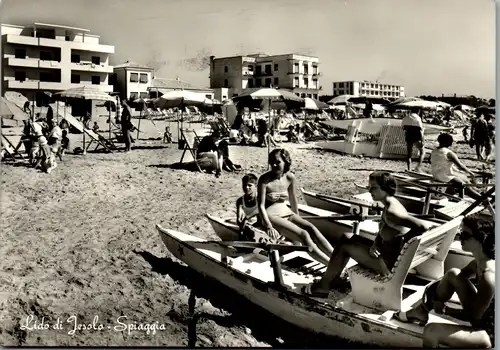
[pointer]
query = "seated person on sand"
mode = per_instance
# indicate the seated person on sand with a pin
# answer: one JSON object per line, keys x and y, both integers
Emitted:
{"x": 247, "y": 211}
{"x": 217, "y": 152}
{"x": 475, "y": 287}
{"x": 167, "y": 135}
{"x": 273, "y": 189}
{"x": 444, "y": 164}
{"x": 378, "y": 255}
{"x": 55, "y": 135}
{"x": 292, "y": 135}
{"x": 95, "y": 128}
{"x": 47, "y": 158}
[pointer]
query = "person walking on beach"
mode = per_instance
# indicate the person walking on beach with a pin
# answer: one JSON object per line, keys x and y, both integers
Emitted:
{"x": 480, "y": 136}
{"x": 126, "y": 124}
{"x": 412, "y": 124}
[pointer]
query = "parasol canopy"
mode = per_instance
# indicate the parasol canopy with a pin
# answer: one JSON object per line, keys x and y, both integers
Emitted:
{"x": 311, "y": 103}
{"x": 417, "y": 104}
{"x": 9, "y": 110}
{"x": 87, "y": 93}
{"x": 278, "y": 99}
{"x": 17, "y": 98}
{"x": 179, "y": 98}
{"x": 341, "y": 99}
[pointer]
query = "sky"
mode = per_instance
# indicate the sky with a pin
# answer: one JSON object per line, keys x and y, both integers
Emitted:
{"x": 431, "y": 47}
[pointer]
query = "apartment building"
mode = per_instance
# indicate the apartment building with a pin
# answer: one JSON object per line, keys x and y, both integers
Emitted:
{"x": 160, "y": 86}
{"x": 298, "y": 73}
{"x": 132, "y": 80}
{"x": 49, "y": 57}
{"x": 368, "y": 89}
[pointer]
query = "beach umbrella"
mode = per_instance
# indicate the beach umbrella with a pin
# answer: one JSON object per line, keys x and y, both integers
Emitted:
{"x": 180, "y": 99}
{"x": 311, "y": 103}
{"x": 10, "y": 110}
{"x": 417, "y": 104}
{"x": 86, "y": 92}
{"x": 17, "y": 98}
{"x": 340, "y": 100}
{"x": 270, "y": 95}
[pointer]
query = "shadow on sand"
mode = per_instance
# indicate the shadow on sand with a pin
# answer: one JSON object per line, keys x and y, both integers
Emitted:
{"x": 265, "y": 326}
{"x": 190, "y": 166}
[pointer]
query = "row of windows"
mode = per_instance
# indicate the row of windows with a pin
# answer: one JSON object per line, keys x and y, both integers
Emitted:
{"x": 56, "y": 77}
{"x": 44, "y": 55}
{"x": 367, "y": 85}
{"x": 136, "y": 95}
{"x": 134, "y": 78}
{"x": 267, "y": 68}
{"x": 304, "y": 95}
{"x": 75, "y": 58}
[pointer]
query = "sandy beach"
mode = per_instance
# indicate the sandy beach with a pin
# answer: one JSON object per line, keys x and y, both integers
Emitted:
{"x": 81, "y": 243}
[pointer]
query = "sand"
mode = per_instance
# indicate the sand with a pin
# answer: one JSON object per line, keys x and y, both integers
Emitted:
{"x": 81, "y": 243}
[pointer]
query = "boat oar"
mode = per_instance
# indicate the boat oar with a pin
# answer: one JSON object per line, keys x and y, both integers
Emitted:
{"x": 350, "y": 201}
{"x": 483, "y": 198}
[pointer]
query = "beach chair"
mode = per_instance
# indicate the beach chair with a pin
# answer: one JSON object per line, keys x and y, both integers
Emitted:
{"x": 10, "y": 149}
{"x": 425, "y": 253}
{"x": 191, "y": 141}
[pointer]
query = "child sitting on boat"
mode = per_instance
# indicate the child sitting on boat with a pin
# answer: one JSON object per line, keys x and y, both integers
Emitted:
{"x": 381, "y": 254}
{"x": 445, "y": 162}
{"x": 273, "y": 189}
{"x": 247, "y": 211}
{"x": 477, "y": 298}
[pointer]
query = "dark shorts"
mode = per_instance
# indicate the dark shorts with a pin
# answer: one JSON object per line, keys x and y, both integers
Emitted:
{"x": 413, "y": 134}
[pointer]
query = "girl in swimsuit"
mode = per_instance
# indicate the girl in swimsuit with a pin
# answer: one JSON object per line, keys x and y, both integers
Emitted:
{"x": 273, "y": 189}
{"x": 381, "y": 254}
{"x": 477, "y": 299}
{"x": 247, "y": 211}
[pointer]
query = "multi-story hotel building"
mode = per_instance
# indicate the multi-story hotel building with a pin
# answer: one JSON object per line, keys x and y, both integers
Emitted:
{"x": 48, "y": 57}
{"x": 368, "y": 89}
{"x": 132, "y": 80}
{"x": 294, "y": 72}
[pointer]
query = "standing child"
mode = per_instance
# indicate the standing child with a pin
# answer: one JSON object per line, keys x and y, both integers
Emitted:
{"x": 465, "y": 133}
{"x": 247, "y": 210}
{"x": 64, "y": 143}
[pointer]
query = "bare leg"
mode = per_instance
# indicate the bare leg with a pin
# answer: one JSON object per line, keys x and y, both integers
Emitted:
{"x": 409, "y": 148}
{"x": 449, "y": 284}
{"x": 292, "y": 231}
{"x": 356, "y": 248}
{"x": 323, "y": 243}
{"x": 454, "y": 336}
{"x": 421, "y": 151}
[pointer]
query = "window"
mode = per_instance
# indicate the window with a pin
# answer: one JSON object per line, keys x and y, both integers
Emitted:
{"x": 75, "y": 79}
{"x": 20, "y": 76}
{"x": 143, "y": 95}
{"x": 250, "y": 83}
{"x": 144, "y": 78}
{"x": 134, "y": 77}
{"x": 258, "y": 82}
{"x": 96, "y": 80}
{"x": 309, "y": 95}
{"x": 258, "y": 70}
{"x": 315, "y": 69}
{"x": 296, "y": 82}
{"x": 306, "y": 68}
{"x": 306, "y": 82}
{"x": 268, "y": 82}
{"x": 134, "y": 95}
{"x": 67, "y": 38}
{"x": 250, "y": 68}
{"x": 268, "y": 69}
{"x": 20, "y": 53}
{"x": 341, "y": 85}
{"x": 275, "y": 67}
{"x": 225, "y": 69}
{"x": 276, "y": 81}
{"x": 111, "y": 79}
{"x": 302, "y": 95}
{"x": 226, "y": 83}
{"x": 96, "y": 60}
{"x": 45, "y": 76}
{"x": 315, "y": 96}
{"x": 75, "y": 58}
{"x": 45, "y": 56}
{"x": 295, "y": 67}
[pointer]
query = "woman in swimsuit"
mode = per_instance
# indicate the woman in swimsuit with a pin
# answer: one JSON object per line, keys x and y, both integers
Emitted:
{"x": 274, "y": 188}
{"x": 381, "y": 254}
{"x": 477, "y": 299}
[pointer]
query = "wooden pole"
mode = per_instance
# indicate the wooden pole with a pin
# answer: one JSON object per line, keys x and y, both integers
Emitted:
{"x": 139, "y": 124}
{"x": 269, "y": 132}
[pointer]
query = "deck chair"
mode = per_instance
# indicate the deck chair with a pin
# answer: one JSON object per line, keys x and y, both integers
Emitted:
{"x": 10, "y": 149}
{"x": 425, "y": 253}
{"x": 191, "y": 141}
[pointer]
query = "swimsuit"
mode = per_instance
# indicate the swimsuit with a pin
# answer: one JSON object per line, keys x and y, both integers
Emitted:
{"x": 391, "y": 248}
{"x": 487, "y": 321}
{"x": 276, "y": 206}
{"x": 251, "y": 213}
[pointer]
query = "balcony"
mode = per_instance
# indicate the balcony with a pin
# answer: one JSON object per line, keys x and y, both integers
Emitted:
{"x": 21, "y": 62}
{"x": 92, "y": 47}
{"x": 90, "y": 67}
{"x": 21, "y": 39}
{"x": 317, "y": 74}
{"x": 103, "y": 87}
{"x": 49, "y": 64}
{"x": 294, "y": 73}
{"x": 15, "y": 84}
{"x": 50, "y": 85}
{"x": 248, "y": 74}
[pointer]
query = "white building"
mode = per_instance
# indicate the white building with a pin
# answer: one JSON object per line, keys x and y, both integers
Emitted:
{"x": 298, "y": 73}
{"x": 132, "y": 80}
{"x": 368, "y": 89}
{"x": 49, "y": 57}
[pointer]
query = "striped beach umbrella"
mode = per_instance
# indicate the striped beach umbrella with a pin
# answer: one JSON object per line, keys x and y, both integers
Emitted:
{"x": 311, "y": 103}
{"x": 86, "y": 92}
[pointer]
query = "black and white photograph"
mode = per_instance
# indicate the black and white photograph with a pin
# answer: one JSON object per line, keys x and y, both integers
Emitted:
{"x": 247, "y": 173}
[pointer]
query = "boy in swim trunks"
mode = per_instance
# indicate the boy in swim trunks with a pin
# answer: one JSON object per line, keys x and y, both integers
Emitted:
{"x": 247, "y": 211}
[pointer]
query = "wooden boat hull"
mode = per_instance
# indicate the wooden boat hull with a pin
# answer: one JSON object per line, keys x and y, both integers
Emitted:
{"x": 316, "y": 315}
{"x": 411, "y": 203}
